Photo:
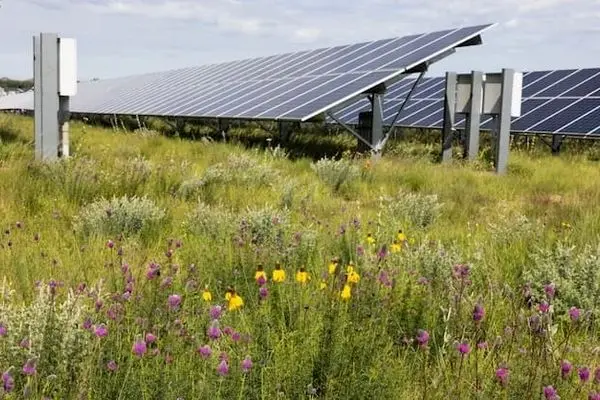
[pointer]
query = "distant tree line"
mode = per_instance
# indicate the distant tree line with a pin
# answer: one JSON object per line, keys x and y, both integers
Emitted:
{"x": 13, "y": 84}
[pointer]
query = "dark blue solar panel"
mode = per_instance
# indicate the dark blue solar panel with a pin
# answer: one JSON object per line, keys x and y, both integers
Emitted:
{"x": 325, "y": 95}
{"x": 586, "y": 123}
{"x": 566, "y": 84}
{"x": 546, "y": 109}
{"x": 399, "y": 89}
{"x": 542, "y": 84}
{"x": 586, "y": 88}
{"x": 566, "y": 115}
{"x": 426, "y": 108}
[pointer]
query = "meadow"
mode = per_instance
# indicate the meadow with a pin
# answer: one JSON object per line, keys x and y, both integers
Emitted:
{"x": 152, "y": 267}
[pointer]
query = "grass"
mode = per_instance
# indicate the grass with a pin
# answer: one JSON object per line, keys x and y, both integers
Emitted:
{"x": 106, "y": 238}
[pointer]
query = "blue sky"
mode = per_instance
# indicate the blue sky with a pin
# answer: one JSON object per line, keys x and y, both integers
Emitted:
{"x": 124, "y": 37}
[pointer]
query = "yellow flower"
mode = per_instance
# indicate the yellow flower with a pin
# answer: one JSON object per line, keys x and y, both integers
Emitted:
{"x": 352, "y": 275}
{"x": 395, "y": 247}
{"x": 302, "y": 276}
{"x": 401, "y": 236}
{"x": 332, "y": 266}
{"x": 235, "y": 302}
{"x": 370, "y": 239}
{"x": 206, "y": 295}
{"x": 323, "y": 285}
{"x": 346, "y": 292}
{"x": 278, "y": 274}
{"x": 229, "y": 293}
{"x": 260, "y": 273}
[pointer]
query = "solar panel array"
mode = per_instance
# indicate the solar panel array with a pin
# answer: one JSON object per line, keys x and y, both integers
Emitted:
{"x": 291, "y": 86}
{"x": 553, "y": 101}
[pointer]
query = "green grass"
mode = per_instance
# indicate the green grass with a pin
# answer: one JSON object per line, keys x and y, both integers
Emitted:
{"x": 222, "y": 209}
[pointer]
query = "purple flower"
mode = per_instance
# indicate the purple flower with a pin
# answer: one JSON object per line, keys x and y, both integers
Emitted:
{"x": 110, "y": 244}
{"x": 167, "y": 282}
{"x": 246, "y": 364}
{"x": 422, "y": 337}
{"x": 139, "y": 348}
{"x": 29, "y": 367}
{"x": 174, "y": 301}
{"x": 544, "y": 307}
{"x": 384, "y": 279}
{"x": 464, "y": 348}
{"x": 215, "y": 312}
{"x": 261, "y": 280}
{"x": 584, "y": 374}
{"x": 236, "y": 337}
{"x": 550, "y": 393}
{"x": 223, "y": 368}
{"x": 87, "y": 324}
{"x": 482, "y": 345}
{"x": 8, "y": 382}
{"x": 112, "y": 365}
{"x": 263, "y": 292}
{"x": 101, "y": 330}
{"x": 478, "y": 313}
{"x": 205, "y": 351}
{"x": 574, "y": 313}
{"x": 24, "y": 344}
{"x": 153, "y": 271}
{"x": 565, "y": 368}
{"x": 594, "y": 396}
{"x": 228, "y": 330}
{"x": 3, "y": 330}
{"x": 461, "y": 271}
{"x": 213, "y": 331}
{"x": 550, "y": 290}
{"x": 150, "y": 338}
{"x": 502, "y": 375}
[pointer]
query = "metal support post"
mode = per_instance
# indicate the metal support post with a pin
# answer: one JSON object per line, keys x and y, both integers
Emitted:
{"x": 63, "y": 123}
{"x": 449, "y": 116}
{"x": 473, "y": 119}
{"x": 557, "y": 141}
{"x": 377, "y": 122}
{"x": 504, "y": 121}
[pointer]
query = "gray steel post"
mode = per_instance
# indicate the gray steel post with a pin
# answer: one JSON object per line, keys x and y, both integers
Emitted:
{"x": 377, "y": 122}
{"x": 449, "y": 116}
{"x": 63, "y": 122}
{"x": 37, "y": 97}
{"x": 504, "y": 121}
{"x": 474, "y": 117}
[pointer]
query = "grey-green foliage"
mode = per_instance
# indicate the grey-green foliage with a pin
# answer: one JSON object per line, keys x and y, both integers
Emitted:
{"x": 510, "y": 225}
{"x": 337, "y": 174}
{"x": 239, "y": 169}
{"x": 264, "y": 226}
{"x": 211, "y": 221}
{"x": 126, "y": 214}
{"x": 575, "y": 272}
{"x": 417, "y": 209}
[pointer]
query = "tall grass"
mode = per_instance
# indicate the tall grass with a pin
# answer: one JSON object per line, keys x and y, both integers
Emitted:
{"x": 404, "y": 279}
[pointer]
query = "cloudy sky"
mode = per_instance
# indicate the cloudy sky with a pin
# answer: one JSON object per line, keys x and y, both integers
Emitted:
{"x": 123, "y": 37}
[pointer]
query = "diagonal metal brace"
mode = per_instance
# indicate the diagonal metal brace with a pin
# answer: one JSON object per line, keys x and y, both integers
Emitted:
{"x": 349, "y": 129}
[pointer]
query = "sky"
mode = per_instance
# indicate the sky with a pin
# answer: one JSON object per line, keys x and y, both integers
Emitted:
{"x": 125, "y": 37}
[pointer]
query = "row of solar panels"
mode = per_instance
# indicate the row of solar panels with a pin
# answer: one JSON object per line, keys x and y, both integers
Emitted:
{"x": 558, "y": 101}
{"x": 293, "y": 86}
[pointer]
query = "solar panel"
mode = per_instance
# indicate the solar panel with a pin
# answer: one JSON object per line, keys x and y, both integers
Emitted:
{"x": 554, "y": 101}
{"x": 291, "y": 86}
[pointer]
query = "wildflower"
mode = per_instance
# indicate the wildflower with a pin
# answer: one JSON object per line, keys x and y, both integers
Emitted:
{"x": 214, "y": 332}
{"x": 395, "y": 246}
{"x": 502, "y": 375}
{"x": 167, "y": 282}
{"x": 260, "y": 275}
{"x": 594, "y": 396}
{"x": 101, "y": 330}
{"x": 351, "y": 274}
{"x": 401, "y": 237}
{"x": 384, "y": 279}
{"x": 346, "y": 292}
{"x": 263, "y": 292}
{"x": 422, "y": 338}
{"x": 174, "y": 301}
{"x": 323, "y": 285}
{"x": 565, "y": 368}
{"x": 8, "y": 383}
{"x": 461, "y": 271}
{"x": 235, "y": 301}
{"x": 382, "y": 253}
{"x": 139, "y": 348}
{"x": 223, "y": 368}
{"x": 278, "y": 273}
{"x": 550, "y": 290}
{"x": 464, "y": 348}
{"x": 482, "y": 345}
{"x": 478, "y": 313}
{"x": 370, "y": 239}
{"x": 333, "y": 264}
{"x": 3, "y": 329}
{"x": 584, "y": 374}
{"x": 29, "y": 367}
{"x": 150, "y": 337}
{"x": 216, "y": 311}
{"x": 206, "y": 295}
{"x": 550, "y": 393}
{"x": 112, "y": 366}
{"x": 205, "y": 351}
{"x": 246, "y": 364}
{"x": 574, "y": 313}
{"x": 235, "y": 336}
{"x": 544, "y": 307}
{"x": 302, "y": 276}
{"x": 152, "y": 271}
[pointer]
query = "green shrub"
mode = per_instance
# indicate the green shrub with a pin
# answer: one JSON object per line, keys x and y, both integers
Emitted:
{"x": 337, "y": 174}
{"x": 210, "y": 221}
{"x": 127, "y": 215}
{"x": 417, "y": 209}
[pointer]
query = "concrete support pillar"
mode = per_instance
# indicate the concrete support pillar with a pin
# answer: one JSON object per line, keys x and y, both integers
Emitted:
{"x": 449, "y": 116}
